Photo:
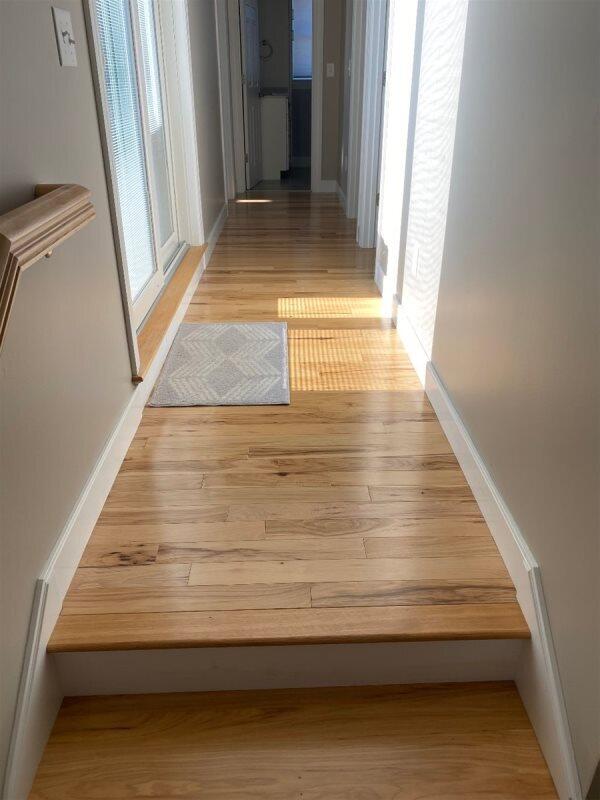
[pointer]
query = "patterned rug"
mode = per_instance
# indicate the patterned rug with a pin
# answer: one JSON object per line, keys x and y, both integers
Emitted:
{"x": 225, "y": 364}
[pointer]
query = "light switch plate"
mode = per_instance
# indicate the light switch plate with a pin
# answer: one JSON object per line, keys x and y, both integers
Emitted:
{"x": 65, "y": 39}
{"x": 330, "y": 70}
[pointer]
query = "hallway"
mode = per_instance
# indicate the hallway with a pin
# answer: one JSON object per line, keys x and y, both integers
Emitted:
{"x": 342, "y": 517}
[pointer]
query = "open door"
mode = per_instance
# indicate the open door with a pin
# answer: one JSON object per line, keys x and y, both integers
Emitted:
{"x": 251, "y": 90}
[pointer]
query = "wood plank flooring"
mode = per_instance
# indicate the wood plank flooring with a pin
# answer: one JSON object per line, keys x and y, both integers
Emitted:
{"x": 453, "y": 741}
{"x": 341, "y": 517}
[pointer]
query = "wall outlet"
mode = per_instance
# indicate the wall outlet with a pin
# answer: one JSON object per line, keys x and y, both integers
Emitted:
{"x": 330, "y": 70}
{"x": 65, "y": 40}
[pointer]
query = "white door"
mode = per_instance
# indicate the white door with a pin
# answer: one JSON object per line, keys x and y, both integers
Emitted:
{"x": 251, "y": 90}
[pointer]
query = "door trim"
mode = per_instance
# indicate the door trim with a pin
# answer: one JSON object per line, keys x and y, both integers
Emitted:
{"x": 355, "y": 112}
{"x": 316, "y": 99}
{"x": 223, "y": 34}
{"x": 237, "y": 101}
{"x": 372, "y": 108}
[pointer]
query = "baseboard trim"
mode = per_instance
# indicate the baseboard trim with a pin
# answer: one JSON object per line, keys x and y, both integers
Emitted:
{"x": 40, "y": 689}
{"x": 379, "y": 277}
{"x": 341, "y": 195}
{"x": 412, "y": 344}
{"x": 286, "y": 666}
{"x": 215, "y": 231}
{"x": 537, "y": 676}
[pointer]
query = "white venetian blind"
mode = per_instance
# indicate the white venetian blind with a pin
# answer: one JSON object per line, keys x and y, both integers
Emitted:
{"x": 125, "y": 134}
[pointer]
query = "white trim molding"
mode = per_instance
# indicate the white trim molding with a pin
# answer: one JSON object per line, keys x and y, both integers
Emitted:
{"x": 402, "y": 34}
{"x": 237, "y": 100}
{"x": 178, "y": 66}
{"x": 215, "y": 232}
{"x": 40, "y": 689}
{"x": 411, "y": 342}
{"x": 372, "y": 106}
{"x": 355, "y": 115}
{"x": 537, "y": 675}
{"x": 316, "y": 100}
{"x": 222, "y": 23}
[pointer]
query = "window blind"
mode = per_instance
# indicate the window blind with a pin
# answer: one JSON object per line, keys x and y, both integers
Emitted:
{"x": 125, "y": 134}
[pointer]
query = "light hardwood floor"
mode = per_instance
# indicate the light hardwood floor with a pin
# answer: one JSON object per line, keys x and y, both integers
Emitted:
{"x": 341, "y": 517}
{"x": 448, "y": 742}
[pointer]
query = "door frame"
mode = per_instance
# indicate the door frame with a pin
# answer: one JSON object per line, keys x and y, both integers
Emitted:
{"x": 234, "y": 60}
{"x": 174, "y": 43}
{"x": 355, "y": 113}
{"x": 316, "y": 98}
{"x": 223, "y": 34}
{"x": 245, "y": 91}
{"x": 372, "y": 116}
{"x": 237, "y": 101}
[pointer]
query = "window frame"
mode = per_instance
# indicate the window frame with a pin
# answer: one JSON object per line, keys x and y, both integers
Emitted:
{"x": 173, "y": 43}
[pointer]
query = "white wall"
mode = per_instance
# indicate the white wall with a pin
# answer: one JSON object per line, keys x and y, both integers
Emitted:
{"x": 65, "y": 375}
{"x": 518, "y": 314}
{"x": 401, "y": 33}
{"x": 205, "y": 73}
{"x": 439, "y": 86}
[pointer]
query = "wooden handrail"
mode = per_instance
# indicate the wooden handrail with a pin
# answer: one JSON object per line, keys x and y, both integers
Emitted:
{"x": 33, "y": 230}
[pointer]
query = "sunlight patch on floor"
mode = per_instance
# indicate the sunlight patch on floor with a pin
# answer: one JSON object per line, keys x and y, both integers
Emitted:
{"x": 328, "y": 307}
{"x": 346, "y": 360}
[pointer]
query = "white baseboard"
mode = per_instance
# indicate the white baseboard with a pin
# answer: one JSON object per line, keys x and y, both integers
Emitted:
{"x": 379, "y": 277}
{"x": 412, "y": 344}
{"x": 342, "y": 196}
{"x": 40, "y": 690}
{"x": 215, "y": 232}
{"x": 286, "y": 666}
{"x": 537, "y": 674}
{"x": 324, "y": 186}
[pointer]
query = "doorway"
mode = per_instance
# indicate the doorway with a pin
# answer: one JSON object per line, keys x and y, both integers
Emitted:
{"x": 275, "y": 61}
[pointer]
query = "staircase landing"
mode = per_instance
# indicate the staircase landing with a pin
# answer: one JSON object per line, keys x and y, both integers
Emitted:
{"x": 343, "y": 517}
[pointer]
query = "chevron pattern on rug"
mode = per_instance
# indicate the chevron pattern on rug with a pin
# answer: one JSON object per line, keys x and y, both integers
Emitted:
{"x": 225, "y": 364}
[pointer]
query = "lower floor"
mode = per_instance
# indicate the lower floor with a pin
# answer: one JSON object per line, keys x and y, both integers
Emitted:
{"x": 452, "y": 742}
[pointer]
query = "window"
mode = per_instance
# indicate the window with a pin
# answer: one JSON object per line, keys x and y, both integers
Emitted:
{"x": 302, "y": 40}
{"x": 138, "y": 141}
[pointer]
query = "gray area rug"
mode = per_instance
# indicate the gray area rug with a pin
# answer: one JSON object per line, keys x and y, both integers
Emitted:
{"x": 225, "y": 364}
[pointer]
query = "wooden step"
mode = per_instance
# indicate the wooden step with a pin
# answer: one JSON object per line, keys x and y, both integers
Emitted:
{"x": 288, "y": 626}
{"x": 451, "y": 741}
